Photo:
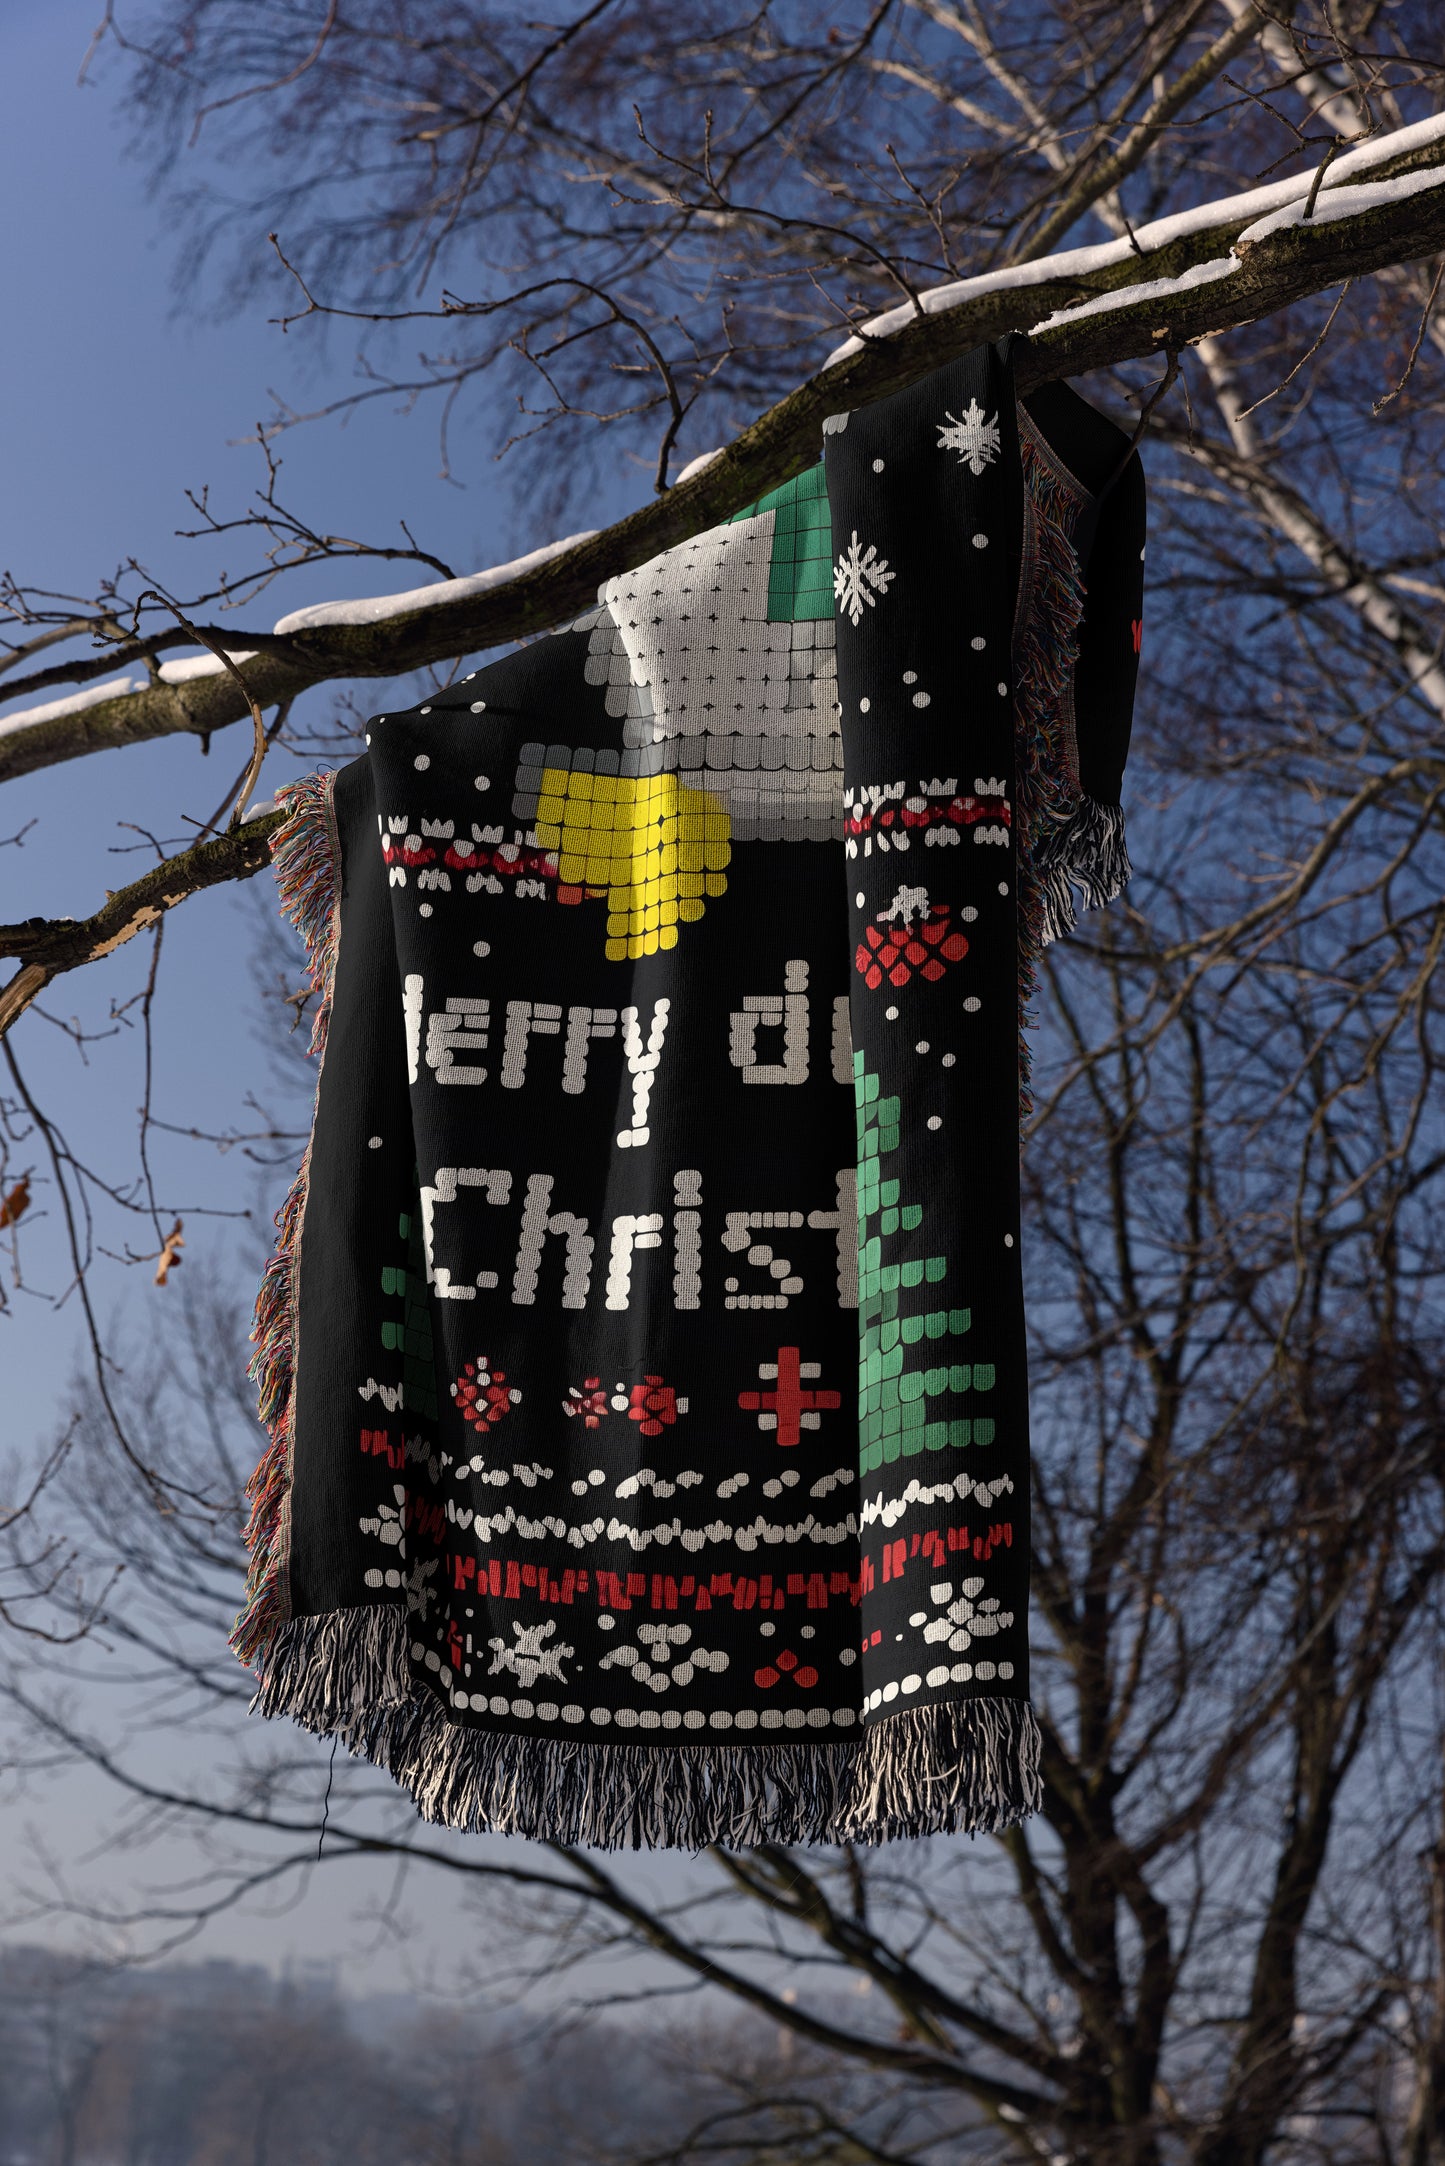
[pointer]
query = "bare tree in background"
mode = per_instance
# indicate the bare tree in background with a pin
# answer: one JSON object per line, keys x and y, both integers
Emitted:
{"x": 1223, "y": 1941}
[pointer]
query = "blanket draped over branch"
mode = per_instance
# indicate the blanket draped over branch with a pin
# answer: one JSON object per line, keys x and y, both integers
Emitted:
{"x": 643, "y": 1353}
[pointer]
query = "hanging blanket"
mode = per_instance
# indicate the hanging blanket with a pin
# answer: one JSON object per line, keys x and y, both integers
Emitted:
{"x": 644, "y": 1350}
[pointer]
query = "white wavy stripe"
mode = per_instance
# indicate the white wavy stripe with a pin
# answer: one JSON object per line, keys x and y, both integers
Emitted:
{"x": 887, "y": 1511}
{"x": 489, "y": 1527}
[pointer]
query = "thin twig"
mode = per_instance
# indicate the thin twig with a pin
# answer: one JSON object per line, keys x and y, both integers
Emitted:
{"x": 1245, "y": 411}
{"x": 1429, "y": 310}
{"x": 259, "y": 741}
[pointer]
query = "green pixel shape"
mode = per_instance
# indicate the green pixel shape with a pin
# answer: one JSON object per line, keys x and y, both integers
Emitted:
{"x": 409, "y": 1332}
{"x": 893, "y": 1393}
{"x": 800, "y": 571}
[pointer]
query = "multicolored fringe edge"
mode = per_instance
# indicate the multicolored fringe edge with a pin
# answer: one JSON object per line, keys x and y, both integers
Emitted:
{"x": 1065, "y": 839}
{"x": 969, "y": 1766}
{"x": 306, "y": 854}
{"x": 1086, "y": 851}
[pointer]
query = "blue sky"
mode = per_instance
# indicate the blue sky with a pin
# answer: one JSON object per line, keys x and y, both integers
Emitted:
{"x": 116, "y": 401}
{"x": 123, "y": 400}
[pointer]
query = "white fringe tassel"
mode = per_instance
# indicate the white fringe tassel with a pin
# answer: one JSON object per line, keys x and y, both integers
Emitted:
{"x": 962, "y": 1766}
{"x": 1086, "y": 851}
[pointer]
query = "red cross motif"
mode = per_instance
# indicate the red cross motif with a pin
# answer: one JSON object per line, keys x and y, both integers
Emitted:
{"x": 788, "y": 1408}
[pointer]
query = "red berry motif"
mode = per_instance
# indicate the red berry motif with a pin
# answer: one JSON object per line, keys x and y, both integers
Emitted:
{"x": 590, "y": 1402}
{"x": 653, "y": 1405}
{"x": 913, "y": 935}
{"x": 483, "y": 1394}
{"x": 787, "y": 1664}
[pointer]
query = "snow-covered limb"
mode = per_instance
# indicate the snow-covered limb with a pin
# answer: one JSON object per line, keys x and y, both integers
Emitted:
{"x": 381, "y": 608}
{"x": 371, "y": 609}
{"x": 696, "y": 466}
{"x": 186, "y": 667}
{"x": 1334, "y": 203}
{"x": 91, "y": 695}
{"x": 1091, "y": 308}
{"x": 1226, "y": 217}
{"x": 1152, "y": 289}
{"x": 1338, "y": 203}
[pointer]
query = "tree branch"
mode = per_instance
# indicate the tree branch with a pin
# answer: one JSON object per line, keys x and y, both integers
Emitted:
{"x": 1135, "y": 310}
{"x": 48, "y": 946}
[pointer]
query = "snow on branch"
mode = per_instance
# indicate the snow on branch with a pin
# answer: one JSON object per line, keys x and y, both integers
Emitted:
{"x": 1201, "y": 271}
{"x": 1252, "y": 210}
{"x": 381, "y": 608}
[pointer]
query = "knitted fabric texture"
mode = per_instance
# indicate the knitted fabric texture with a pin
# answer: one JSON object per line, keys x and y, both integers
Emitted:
{"x": 643, "y": 1353}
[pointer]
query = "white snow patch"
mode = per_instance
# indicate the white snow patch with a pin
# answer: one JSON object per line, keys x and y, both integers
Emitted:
{"x": 91, "y": 695}
{"x": 1417, "y": 136}
{"x": 1345, "y": 203}
{"x": 1254, "y": 203}
{"x": 188, "y": 666}
{"x": 695, "y": 466}
{"x": 1152, "y": 289}
{"x": 379, "y": 607}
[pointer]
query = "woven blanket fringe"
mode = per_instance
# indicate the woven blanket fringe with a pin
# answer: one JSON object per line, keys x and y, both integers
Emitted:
{"x": 1065, "y": 839}
{"x": 1084, "y": 851}
{"x": 970, "y": 1766}
{"x": 304, "y": 854}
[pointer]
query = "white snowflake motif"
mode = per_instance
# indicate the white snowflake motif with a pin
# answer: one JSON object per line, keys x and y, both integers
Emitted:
{"x": 388, "y": 1526}
{"x": 859, "y": 577}
{"x": 963, "y": 1621}
{"x": 909, "y": 903}
{"x": 663, "y": 1645}
{"x": 978, "y": 442}
{"x": 530, "y": 1659}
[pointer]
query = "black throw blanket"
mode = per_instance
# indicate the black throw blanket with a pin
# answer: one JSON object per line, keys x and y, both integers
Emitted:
{"x": 643, "y": 1354}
